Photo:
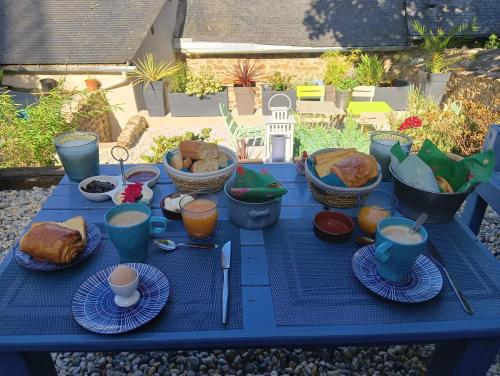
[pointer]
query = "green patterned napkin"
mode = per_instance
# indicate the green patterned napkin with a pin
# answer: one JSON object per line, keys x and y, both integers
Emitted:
{"x": 253, "y": 186}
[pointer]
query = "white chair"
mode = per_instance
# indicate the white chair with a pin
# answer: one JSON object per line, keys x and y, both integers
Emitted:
{"x": 364, "y": 92}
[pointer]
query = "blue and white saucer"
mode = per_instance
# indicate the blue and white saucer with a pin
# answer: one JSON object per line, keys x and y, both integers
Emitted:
{"x": 424, "y": 281}
{"x": 94, "y": 307}
{"x": 93, "y": 239}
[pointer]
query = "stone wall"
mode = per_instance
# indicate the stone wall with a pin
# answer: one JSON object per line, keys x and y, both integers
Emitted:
{"x": 475, "y": 86}
{"x": 301, "y": 67}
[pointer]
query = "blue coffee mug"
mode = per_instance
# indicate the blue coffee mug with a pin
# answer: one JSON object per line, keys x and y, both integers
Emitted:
{"x": 132, "y": 241}
{"x": 396, "y": 259}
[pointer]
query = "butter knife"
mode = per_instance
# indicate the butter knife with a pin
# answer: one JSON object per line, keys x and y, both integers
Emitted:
{"x": 439, "y": 260}
{"x": 226, "y": 264}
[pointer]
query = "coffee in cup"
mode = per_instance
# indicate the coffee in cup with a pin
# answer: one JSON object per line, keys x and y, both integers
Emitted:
{"x": 128, "y": 218}
{"x": 401, "y": 234}
{"x": 396, "y": 249}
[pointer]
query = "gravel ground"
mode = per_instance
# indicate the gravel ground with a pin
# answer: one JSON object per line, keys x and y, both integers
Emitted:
{"x": 19, "y": 207}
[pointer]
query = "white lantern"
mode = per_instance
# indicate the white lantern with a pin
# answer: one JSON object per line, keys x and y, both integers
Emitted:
{"x": 280, "y": 123}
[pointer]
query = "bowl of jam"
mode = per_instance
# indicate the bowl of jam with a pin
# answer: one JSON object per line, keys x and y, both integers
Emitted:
{"x": 98, "y": 188}
{"x": 332, "y": 226}
{"x": 145, "y": 174}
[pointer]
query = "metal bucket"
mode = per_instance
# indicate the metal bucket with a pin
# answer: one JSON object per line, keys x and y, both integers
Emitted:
{"x": 252, "y": 215}
{"x": 441, "y": 207}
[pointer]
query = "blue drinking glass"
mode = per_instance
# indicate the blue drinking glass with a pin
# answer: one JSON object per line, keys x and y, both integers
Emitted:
{"x": 79, "y": 154}
{"x": 381, "y": 143}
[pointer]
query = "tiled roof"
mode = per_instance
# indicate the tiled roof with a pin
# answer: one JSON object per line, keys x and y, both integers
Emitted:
{"x": 446, "y": 14}
{"x": 74, "y": 31}
{"x": 305, "y": 23}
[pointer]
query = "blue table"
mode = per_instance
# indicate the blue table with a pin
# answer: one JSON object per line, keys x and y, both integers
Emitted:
{"x": 470, "y": 343}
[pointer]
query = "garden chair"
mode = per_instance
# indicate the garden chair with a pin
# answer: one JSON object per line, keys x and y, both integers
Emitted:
{"x": 364, "y": 92}
{"x": 249, "y": 135}
{"x": 311, "y": 92}
{"x": 486, "y": 193}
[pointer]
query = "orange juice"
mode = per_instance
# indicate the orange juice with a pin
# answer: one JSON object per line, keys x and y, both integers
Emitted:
{"x": 200, "y": 217}
{"x": 370, "y": 216}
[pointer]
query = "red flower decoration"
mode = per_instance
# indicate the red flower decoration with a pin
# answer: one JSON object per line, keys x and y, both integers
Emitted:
{"x": 132, "y": 193}
{"x": 410, "y": 122}
{"x": 240, "y": 170}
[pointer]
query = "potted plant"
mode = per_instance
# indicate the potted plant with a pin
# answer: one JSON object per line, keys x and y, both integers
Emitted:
{"x": 370, "y": 72}
{"x": 92, "y": 84}
{"x": 339, "y": 65}
{"x": 244, "y": 76}
{"x": 343, "y": 92}
{"x": 195, "y": 93}
{"x": 151, "y": 74}
{"x": 437, "y": 66}
{"x": 278, "y": 83}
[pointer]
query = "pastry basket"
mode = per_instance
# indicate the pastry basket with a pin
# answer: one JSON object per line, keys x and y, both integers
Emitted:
{"x": 211, "y": 182}
{"x": 336, "y": 197}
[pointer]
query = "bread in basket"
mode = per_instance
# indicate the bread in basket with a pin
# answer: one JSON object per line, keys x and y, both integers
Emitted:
{"x": 335, "y": 196}
{"x": 212, "y": 181}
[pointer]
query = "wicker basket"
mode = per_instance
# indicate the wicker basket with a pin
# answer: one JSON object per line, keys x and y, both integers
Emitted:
{"x": 202, "y": 181}
{"x": 336, "y": 197}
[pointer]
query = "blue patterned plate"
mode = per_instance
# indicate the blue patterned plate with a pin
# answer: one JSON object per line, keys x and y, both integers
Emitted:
{"x": 423, "y": 282}
{"x": 94, "y": 307}
{"x": 93, "y": 239}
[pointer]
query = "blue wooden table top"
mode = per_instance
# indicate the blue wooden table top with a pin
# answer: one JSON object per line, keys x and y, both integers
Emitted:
{"x": 259, "y": 325}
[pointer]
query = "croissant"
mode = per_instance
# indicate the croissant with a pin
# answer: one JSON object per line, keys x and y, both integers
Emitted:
{"x": 51, "y": 242}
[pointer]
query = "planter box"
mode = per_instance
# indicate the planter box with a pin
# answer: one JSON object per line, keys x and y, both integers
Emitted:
{"x": 181, "y": 104}
{"x": 154, "y": 98}
{"x": 329, "y": 93}
{"x": 394, "y": 96}
{"x": 342, "y": 99}
{"x": 245, "y": 99}
{"x": 433, "y": 84}
{"x": 267, "y": 93}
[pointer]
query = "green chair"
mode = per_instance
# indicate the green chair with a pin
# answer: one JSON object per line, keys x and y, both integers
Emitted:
{"x": 249, "y": 134}
{"x": 310, "y": 92}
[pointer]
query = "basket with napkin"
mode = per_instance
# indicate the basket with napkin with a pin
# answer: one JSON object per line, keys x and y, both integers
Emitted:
{"x": 435, "y": 182}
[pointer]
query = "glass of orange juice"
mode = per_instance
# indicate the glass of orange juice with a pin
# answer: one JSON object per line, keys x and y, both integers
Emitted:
{"x": 199, "y": 214}
{"x": 374, "y": 207}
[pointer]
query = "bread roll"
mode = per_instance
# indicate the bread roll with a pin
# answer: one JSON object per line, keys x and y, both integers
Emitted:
{"x": 205, "y": 165}
{"x": 52, "y": 242}
{"x": 187, "y": 162}
{"x": 198, "y": 150}
{"x": 176, "y": 161}
{"x": 222, "y": 159}
{"x": 356, "y": 170}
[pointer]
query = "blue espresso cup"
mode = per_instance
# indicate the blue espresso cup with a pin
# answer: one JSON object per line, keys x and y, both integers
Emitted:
{"x": 396, "y": 259}
{"x": 132, "y": 241}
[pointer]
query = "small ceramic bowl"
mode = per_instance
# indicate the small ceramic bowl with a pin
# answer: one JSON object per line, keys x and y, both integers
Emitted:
{"x": 126, "y": 295}
{"x": 98, "y": 196}
{"x": 143, "y": 168}
{"x": 147, "y": 196}
{"x": 332, "y": 226}
{"x": 170, "y": 214}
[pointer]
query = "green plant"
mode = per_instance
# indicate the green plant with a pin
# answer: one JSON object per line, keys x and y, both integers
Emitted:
{"x": 150, "y": 69}
{"x": 347, "y": 84}
{"x": 245, "y": 73}
{"x": 27, "y": 135}
{"x": 178, "y": 80}
{"x": 492, "y": 42}
{"x": 1, "y": 76}
{"x": 279, "y": 82}
{"x": 313, "y": 137}
{"x": 163, "y": 144}
{"x": 339, "y": 65}
{"x": 202, "y": 83}
{"x": 370, "y": 70}
{"x": 435, "y": 43}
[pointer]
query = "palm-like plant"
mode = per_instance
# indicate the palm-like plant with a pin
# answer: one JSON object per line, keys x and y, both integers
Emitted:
{"x": 370, "y": 70}
{"x": 151, "y": 69}
{"x": 435, "y": 43}
{"x": 246, "y": 73}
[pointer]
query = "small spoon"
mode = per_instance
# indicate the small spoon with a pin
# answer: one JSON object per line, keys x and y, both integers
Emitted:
{"x": 364, "y": 240}
{"x": 419, "y": 222}
{"x": 170, "y": 245}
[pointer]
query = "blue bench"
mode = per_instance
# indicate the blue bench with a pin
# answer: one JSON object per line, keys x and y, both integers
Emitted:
{"x": 486, "y": 193}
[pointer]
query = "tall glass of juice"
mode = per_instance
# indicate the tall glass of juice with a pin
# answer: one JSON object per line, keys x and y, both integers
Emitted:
{"x": 199, "y": 214}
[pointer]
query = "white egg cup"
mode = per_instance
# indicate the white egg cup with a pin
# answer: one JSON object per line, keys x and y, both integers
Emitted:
{"x": 126, "y": 295}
